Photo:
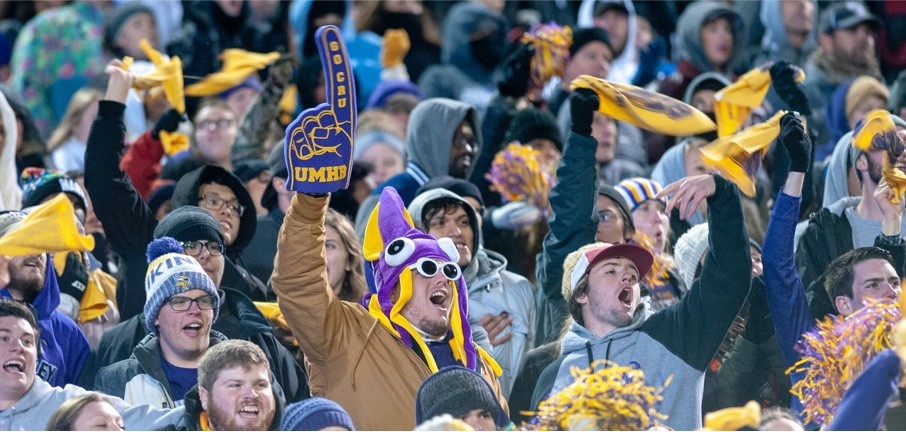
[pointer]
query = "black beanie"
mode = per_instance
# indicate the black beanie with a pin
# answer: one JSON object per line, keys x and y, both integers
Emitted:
{"x": 162, "y": 194}
{"x": 532, "y": 123}
{"x": 117, "y": 19}
{"x": 189, "y": 223}
{"x": 463, "y": 188}
{"x": 456, "y": 390}
{"x": 584, "y": 36}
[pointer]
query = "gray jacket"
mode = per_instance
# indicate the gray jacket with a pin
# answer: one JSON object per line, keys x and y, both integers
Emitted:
{"x": 33, "y": 411}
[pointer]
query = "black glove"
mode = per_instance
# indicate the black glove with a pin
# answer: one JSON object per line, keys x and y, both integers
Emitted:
{"x": 783, "y": 77}
{"x": 516, "y": 69}
{"x": 74, "y": 279}
{"x": 582, "y": 106}
{"x": 169, "y": 122}
{"x": 796, "y": 141}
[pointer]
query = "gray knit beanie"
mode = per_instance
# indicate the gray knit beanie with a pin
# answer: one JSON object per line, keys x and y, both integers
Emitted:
{"x": 689, "y": 251}
{"x": 456, "y": 390}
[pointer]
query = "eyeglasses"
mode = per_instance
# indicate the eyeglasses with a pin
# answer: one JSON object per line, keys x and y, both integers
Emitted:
{"x": 213, "y": 202}
{"x": 608, "y": 217}
{"x": 215, "y": 124}
{"x": 193, "y": 248}
{"x": 428, "y": 268}
{"x": 181, "y": 304}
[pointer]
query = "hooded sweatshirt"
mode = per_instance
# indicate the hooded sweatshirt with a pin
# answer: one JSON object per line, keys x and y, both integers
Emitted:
{"x": 432, "y": 126}
{"x": 462, "y": 76}
{"x": 492, "y": 290}
{"x": 775, "y": 45}
{"x": 64, "y": 348}
{"x": 680, "y": 340}
{"x": 34, "y": 409}
{"x": 624, "y": 66}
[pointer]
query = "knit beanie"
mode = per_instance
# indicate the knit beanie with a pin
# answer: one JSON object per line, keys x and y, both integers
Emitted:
{"x": 249, "y": 169}
{"x": 118, "y": 18}
{"x": 585, "y": 36}
{"x": 463, "y": 188}
{"x": 387, "y": 88}
{"x": 532, "y": 123}
{"x": 315, "y": 414}
{"x": 617, "y": 197}
{"x": 10, "y": 220}
{"x": 39, "y": 183}
{"x": 377, "y": 136}
{"x": 638, "y": 190}
{"x": 456, "y": 390}
{"x": 162, "y": 194}
{"x": 252, "y": 82}
{"x": 171, "y": 272}
{"x": 189, "y": 223}
{"x": 862, "y": 88}
{"x": 689, "y": 251}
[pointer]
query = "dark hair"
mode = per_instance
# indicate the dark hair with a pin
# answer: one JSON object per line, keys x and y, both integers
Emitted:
{"x": 838, "y": 279}
{"x": 16, "y": 309}
{"x": 575, "y": 309}
{"x": 63, "y": 419}
{"x": 442, "y": 205}
{"x": 227, "y": 354}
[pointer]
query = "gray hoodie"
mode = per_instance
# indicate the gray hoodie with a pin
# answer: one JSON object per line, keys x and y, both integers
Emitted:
{"x": 33, "y": 411}
{"x": 775, "y": 44}
{"x": 689, "y": 27}
{"x": 492, "y": 290}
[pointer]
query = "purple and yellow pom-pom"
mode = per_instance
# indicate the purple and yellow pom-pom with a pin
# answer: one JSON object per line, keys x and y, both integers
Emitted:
{"x": 516, "y": 174}
{"x": 837, "y": 352}
{"x": 552, "y": 44}
{"x": 604, "y": 397}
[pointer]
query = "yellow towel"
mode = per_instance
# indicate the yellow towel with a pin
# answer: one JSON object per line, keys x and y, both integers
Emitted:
{"x": 739, "y": 156}
{"x": 237, "y": 66}
{"x": 167, "y": 74}
{"x": 396, "y": 46}
{"x": 646, "y": 109}
{"x": 734, "y": 103}
{"x": 51, "y": 227}
{"x": 94, "y": 300}
{"x": 173, "y": 142}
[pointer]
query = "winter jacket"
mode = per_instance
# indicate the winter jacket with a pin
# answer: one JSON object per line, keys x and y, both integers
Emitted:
{"x": 259, "y": 255}
{"x": 64, "y": 348}
{"x": 129, "y": 223}
{"x": 775, "y": 45}
{"x": 140, "y": 379}
{"x": 238, "y": 319}
{"x": 572, "y": 225}
{"x": 492, "y": 290}
{"x": 351, "y": 358}
{"x": 192, "y": 420}
{"x": 432, "y": 126}
{"x": 34, "y": 409}
{"x": 680, "y": 340}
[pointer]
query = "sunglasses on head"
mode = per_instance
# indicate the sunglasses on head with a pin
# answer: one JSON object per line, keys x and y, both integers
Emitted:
{"x": 428, "y": 268}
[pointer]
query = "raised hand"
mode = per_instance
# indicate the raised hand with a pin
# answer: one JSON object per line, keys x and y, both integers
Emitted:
{"x": 796, "y": 141}
{"x": 319, "y": 141}
{"x": 120, "y": 81}
{"x": 687, "y": 193}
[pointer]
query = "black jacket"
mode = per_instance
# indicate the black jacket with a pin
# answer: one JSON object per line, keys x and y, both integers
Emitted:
{"x": 191, "y": 420}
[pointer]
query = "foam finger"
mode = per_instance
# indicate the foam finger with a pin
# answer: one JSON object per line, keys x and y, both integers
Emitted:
{"x": 338, "y": 76}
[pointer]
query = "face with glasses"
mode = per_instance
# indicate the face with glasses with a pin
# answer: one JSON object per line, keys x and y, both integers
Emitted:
{"x": 611, "y": 226}
{"x": 432, "y": 295}
{"x": 184, "y": 326}
{"x": 209, "y": 254}
{"x": 463, "y": 150}
{"x": 222, "y": 203}
{"x": 215, "y": 130}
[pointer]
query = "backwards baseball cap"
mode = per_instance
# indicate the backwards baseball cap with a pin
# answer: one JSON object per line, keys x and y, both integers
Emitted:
{"x": 637, "y": 254}
{"x": 846, "y": 15}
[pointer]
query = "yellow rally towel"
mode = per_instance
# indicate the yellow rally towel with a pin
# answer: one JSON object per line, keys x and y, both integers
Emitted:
{"x": 646, "y": 109}
{"x": 167, "y": 74}
{"x": 734, "y": 103}
{"x": 237, "y": 66}
{"x": 877, "y": 132}
{"x": 396, "y": 46}
{"x": 739, "y": 156}
{"x": 94, "y": 300}
{"x": 173, "y": 142}
{"x": 896, "y": 178}
{"x": 50, "y": 227}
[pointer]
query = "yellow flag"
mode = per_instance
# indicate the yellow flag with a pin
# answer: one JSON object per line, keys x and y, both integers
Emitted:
{"x": 734, "y": 103}
{"x": 51, "y": 227}
{"x": 237, "y": 66}
{"x": 167, "y": 73}
{"x": 646, "y": 109}
{"x": 877, "y": 132}
{"x": 896, "y": 178}
{"x": 738, "y": 157}
{"x": 174, "y": 142}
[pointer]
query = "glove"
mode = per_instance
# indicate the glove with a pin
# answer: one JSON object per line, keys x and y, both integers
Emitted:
{"x": 74, "y": 279}
{"x": 517, "y": 70}
{"x": 649, "y": 60}
{"x": 318, "y": 148}
{"x": 396, "y": 46}
{"x": 783, "y": 78}
{"x": 582, "y": 106}
{"x": 796, "y": 141}
{"x": 168, "y": 122}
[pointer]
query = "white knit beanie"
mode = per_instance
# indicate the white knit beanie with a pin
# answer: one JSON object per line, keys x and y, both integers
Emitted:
{"x": 689, "y": 251}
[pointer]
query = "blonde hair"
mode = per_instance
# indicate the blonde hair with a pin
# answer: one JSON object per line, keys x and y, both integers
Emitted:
{"x": 79, "y": 103}
{"x": 354, "y": 285}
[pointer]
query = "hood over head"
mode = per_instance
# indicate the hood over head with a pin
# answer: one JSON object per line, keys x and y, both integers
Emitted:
{"x": 418, "y": 206}
{"x": 432, "y": 126}
{"x": 775, "y": 41}
{"x": 186, "y": 193}
{"x": 689, "y": 26}
{"x": 462, "y": 21}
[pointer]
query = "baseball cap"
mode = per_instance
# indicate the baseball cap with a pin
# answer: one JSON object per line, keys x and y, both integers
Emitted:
{"x": 637, "y": 254}
{"x": 846, "y": 15}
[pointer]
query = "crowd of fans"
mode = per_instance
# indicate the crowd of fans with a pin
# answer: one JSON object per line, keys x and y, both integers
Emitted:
{"x": 192, "y": 290}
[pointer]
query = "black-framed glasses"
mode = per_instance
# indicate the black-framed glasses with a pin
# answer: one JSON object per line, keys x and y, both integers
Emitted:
{"x": 216, "y": 203}
{"x": 193, "y": 248}
{"x": 182, "y": 304}
{"x": 428, "y": 268}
